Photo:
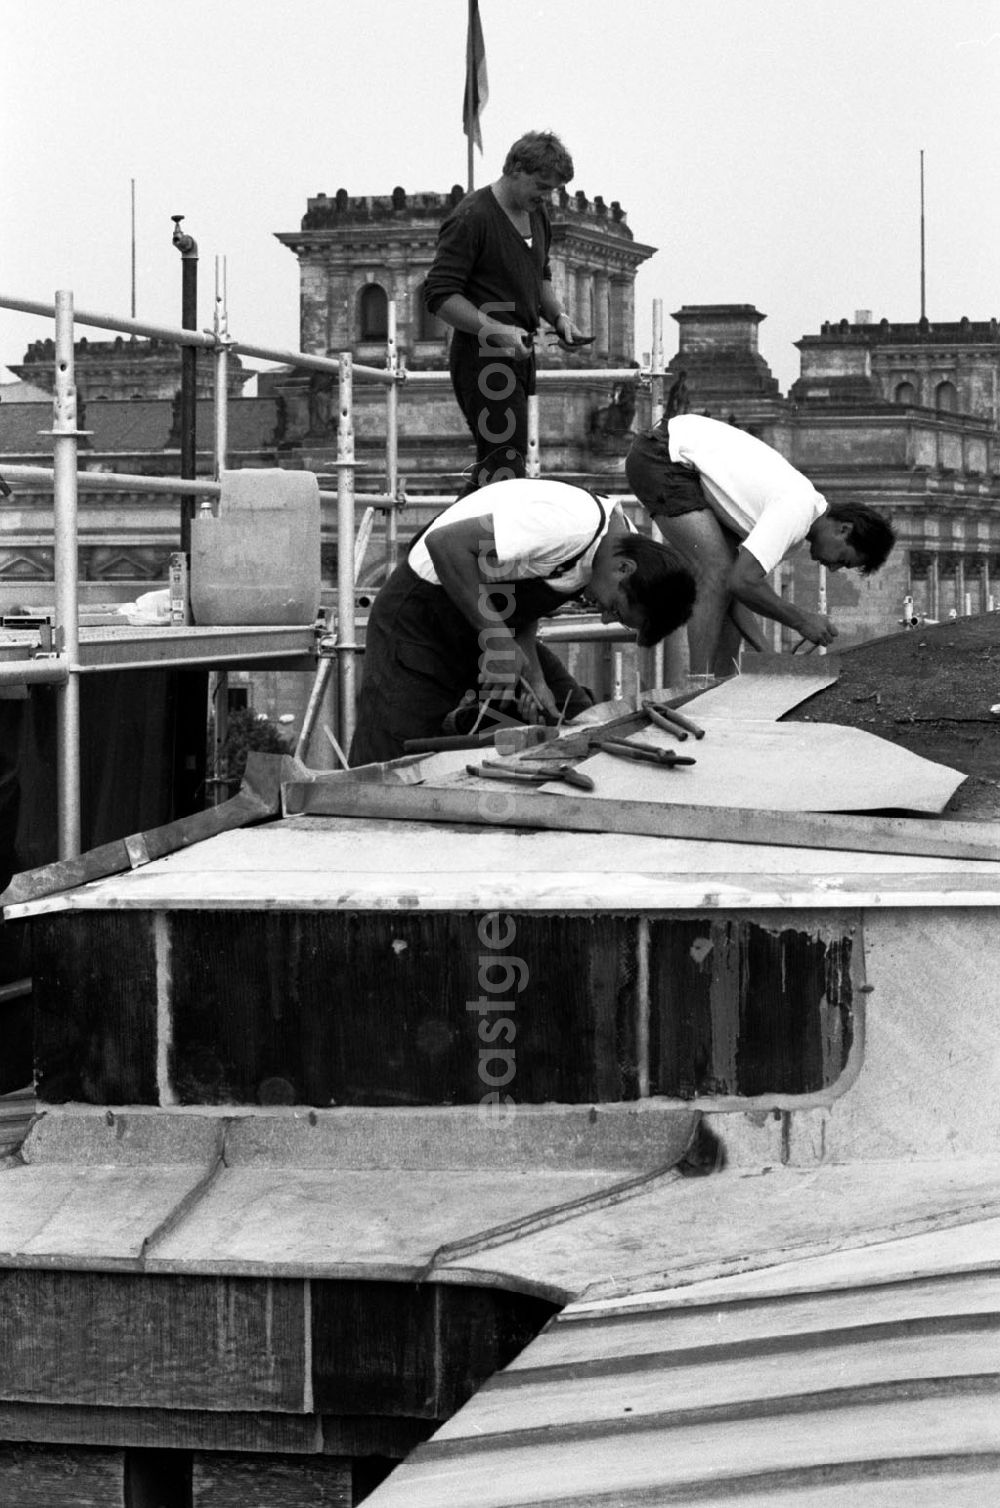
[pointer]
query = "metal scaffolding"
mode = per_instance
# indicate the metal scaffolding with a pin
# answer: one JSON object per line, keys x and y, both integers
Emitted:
{"x": 61, "y": 666}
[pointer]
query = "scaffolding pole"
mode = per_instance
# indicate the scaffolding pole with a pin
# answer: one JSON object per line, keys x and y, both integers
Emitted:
{"x": 346, "y": 610}
{"x": 64, "y": 439}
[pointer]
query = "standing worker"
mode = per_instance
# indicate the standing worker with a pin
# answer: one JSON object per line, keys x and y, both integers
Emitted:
{"x": 733, "y": 508}
{"x": 461, "y": 612}
{"x": 491, "y": 282}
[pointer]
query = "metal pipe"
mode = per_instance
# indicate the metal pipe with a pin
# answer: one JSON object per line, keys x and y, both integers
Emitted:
{"x": 188, "y": 248}
{"x": 656, "y": 413}
{"x": 41, "y": 672}
{"x": 391, "y": 443}
{"x": 122, "y": 481}
{"x": 346, "y": 608}
{"x": 580, "y": 376}
{"x": 315, "y": 363}
{"x": 221, "y": 331}
{"x": 203, "y": 340}
{"x": 656, "y": 364}
{"x": 533, "y": 460}
{"x": 64, "y": 438}
{"x": 112, "y": 322}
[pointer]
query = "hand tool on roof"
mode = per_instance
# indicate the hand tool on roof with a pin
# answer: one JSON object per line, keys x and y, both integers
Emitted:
{"x": 647, "y": 753}
{"x": 670, "y": 719}
{"x": 533, "y": 775}
{"x": 445, "y": 741}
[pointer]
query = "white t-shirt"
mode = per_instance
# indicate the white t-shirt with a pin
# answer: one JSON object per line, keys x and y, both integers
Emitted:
{"x": 537, "y": 525}
{"x": 769, "y": 504}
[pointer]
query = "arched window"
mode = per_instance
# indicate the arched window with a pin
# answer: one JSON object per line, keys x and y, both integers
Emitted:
{"x": 373, "y": 310}
{"x": 428, "y": 326}
{"x": 905, "y": 393}
{"x": 946, "y": 397}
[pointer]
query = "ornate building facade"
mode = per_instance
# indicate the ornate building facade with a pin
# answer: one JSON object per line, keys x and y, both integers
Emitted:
{"x": 904, "y": 416}
{"x": 358, "y": 254}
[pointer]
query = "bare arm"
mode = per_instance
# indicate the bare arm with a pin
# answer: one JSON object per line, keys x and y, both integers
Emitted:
{"x": 461, "y": 313}
{"x": 749, "y": 585}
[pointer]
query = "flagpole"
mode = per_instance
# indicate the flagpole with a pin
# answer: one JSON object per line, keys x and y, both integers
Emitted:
{"x": 923, "y": 262}
{"x": 469, "y": 97}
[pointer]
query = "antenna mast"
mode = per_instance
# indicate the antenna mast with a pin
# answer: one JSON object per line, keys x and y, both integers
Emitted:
{"x": 133, "y": 248}
{"x": 923, "y": 263}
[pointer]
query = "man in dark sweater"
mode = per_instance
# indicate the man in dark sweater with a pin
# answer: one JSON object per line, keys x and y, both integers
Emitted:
{"x": 491, "y": 282}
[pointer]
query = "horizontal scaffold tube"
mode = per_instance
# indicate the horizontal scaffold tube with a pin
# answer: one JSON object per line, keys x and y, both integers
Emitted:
{"x": 123, "y": 481}
{"x": 203, "y": 338}
{"x": 53, "y": 672}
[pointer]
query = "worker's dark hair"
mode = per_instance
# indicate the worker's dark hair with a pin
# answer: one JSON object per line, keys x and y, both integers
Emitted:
{"x": 660, "y": 585}
{"x": 539, "y": 152}
{"x": 872, "y": 536}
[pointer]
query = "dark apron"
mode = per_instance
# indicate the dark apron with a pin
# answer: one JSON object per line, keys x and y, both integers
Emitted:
{"x": 422, "y": 655}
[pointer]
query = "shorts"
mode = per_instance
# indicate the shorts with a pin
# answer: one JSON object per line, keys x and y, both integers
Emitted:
{"x": 663, "y": 486}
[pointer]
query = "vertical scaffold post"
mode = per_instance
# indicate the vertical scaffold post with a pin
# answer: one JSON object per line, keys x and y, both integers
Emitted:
{"x": 64, "y": 440}
{"x": 655, "y": 414}
{"x": 220, "y": 329}
{"x": 656, "y": 368}
{"x": 391, "y": 441}
{"x": 821, "y": 595}
{"x": 533, "y": 460}
{"x": 346, "y": 607}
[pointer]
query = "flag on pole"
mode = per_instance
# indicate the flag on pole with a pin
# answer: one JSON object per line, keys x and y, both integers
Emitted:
{"x": 476, "y": 86}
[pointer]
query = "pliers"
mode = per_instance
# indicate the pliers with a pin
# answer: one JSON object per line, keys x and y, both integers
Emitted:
{"x": 491, "y": 769}
{"x": 648, "y": 753}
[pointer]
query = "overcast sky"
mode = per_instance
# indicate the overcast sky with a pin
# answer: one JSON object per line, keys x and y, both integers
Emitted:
{"x": 770, "y": 149}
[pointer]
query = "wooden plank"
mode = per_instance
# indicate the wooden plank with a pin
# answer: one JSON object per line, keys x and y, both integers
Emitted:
{"x": 235, "y": 1481}
{"x": 402, "y": 1024}
{"x": 34, "y": 1476}
{"x": 165, "y": 1429}
{"x": 413, "y": 1351}
{"x": 579, "y": 813}
{"x": 39, "y": 1477}
{"x": 95, "y": 1021}
{"x": 132, "y": 1340}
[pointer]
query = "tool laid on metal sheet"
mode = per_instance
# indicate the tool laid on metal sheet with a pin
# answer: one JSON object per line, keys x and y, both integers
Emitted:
{"x": 648, "y": 753}
{"x": 532, "y": 774}
{"x": 445, "y": 741}
{"x": 671, "y": 720}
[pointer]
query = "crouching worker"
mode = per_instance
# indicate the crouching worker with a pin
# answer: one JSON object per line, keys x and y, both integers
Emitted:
{"x": 461, "y": 612}
{"x": 734, "y": 508}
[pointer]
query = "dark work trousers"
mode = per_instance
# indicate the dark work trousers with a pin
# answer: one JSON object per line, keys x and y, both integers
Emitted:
{"x": 664, "y": 486}
{"x": 422, "y": 655}
{"x": 492, "y": 392}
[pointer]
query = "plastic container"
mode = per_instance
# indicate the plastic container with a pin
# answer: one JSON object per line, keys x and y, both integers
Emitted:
{"x": 258, "y": 560}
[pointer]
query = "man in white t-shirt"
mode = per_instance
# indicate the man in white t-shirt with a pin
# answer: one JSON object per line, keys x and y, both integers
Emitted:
{"x": 733, "y": 507}
{"x": 461, "y": 612}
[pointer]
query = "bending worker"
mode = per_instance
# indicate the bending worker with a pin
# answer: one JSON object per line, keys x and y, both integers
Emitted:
{"x": 461, "y": 612}
{"x": 733, "y": 508}
{"x": 491, "y": 282}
